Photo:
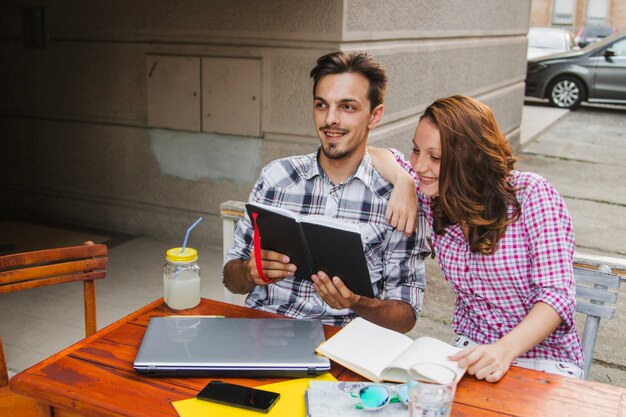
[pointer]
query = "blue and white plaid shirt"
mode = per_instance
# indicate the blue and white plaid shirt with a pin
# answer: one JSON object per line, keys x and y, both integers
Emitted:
{"x": 395, "y": 262}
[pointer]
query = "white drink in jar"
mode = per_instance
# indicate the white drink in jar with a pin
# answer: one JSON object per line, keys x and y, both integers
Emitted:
{"x": 181, "y": 279}
{"x": 183, "y": 292}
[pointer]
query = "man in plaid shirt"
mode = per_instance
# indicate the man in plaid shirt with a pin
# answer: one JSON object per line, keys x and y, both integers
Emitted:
{"x": 338, "y": 181}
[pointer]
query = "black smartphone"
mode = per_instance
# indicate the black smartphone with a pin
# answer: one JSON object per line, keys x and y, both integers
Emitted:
{"x": 239, "y": 396}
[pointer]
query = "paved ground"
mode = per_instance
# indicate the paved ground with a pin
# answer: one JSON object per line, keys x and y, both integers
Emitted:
{"x": 580, "y": 152}
{"x": 536, "y": 119}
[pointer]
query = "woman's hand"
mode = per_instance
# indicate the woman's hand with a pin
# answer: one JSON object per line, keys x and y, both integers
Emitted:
{"x": 491, "y": 362}
{"x": 488, "y": 362}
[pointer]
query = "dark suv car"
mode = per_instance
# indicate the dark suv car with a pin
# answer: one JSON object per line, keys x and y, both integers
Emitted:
{"x": 596, "y": 73}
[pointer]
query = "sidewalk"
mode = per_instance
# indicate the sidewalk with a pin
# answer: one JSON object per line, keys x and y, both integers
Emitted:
{"x": 37, "y": 323}
{"x": 536, "y": 119}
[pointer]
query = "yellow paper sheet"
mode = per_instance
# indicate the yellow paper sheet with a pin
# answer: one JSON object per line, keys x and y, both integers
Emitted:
{"x": 291, "y": 402}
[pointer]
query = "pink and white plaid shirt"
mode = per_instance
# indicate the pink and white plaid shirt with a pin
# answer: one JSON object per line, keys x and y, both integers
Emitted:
{"x": 533, "y": 263}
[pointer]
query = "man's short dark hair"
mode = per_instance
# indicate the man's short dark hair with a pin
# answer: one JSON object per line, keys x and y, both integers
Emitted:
{"x": 357, "y": 62}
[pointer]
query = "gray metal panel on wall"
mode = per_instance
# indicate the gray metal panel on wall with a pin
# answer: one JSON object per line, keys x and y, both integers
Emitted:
{"x": 231, "y": 96}
{"x": 173, "y": 92}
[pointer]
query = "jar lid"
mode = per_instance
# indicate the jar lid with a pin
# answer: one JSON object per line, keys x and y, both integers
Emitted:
{"x": 175, "y": 255}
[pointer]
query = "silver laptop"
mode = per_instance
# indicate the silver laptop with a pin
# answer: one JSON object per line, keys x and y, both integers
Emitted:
{"x": 228, "y": 347}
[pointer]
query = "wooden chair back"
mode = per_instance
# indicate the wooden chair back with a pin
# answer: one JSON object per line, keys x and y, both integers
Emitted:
{"x": 23, "y": 271}
{"x": 596, "y": 297}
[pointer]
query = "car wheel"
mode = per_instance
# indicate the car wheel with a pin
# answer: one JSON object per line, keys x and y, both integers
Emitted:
{"x": 566, "y": 92}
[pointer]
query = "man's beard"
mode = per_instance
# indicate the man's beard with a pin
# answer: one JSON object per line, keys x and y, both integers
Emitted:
{"x": 334, "y": 152}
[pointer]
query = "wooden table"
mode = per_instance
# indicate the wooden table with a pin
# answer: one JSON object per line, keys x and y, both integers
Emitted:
{"x": 95, "y": 377}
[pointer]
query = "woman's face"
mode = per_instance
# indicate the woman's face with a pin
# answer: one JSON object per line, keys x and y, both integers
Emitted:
{"x": 426, "y": 157}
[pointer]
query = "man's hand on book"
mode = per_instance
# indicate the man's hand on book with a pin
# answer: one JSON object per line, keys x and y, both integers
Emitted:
{"x": 276, "y": 266}
{"x": 334, "y": 291}
{"x": 393, "y": 314}
{"x": 488, "y": 362}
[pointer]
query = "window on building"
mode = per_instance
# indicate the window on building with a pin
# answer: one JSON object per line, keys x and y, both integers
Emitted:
{"x": 597, "y": 12}
{"x": 563, "y": 12}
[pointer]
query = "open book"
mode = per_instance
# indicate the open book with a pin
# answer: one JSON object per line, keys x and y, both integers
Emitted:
{"x": 380, "y": 354}
{"x": 314, "y": 243}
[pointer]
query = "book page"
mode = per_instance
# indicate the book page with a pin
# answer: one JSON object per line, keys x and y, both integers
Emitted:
{"x": 365, "y": 347}
{"x": 331, "y": 222}
{"x": 423, "y": 349}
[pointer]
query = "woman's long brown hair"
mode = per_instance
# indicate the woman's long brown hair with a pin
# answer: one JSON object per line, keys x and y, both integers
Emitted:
{"x": 476, "y": 161}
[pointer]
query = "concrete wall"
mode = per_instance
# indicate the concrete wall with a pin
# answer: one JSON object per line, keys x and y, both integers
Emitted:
{"x": 77, "y": 145}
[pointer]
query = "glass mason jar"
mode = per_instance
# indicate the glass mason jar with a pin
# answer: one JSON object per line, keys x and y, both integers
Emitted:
{"x": 181, "y": 279}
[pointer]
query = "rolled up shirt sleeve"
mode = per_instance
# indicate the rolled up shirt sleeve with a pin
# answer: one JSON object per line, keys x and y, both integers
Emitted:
{"x": 551, "y": 246}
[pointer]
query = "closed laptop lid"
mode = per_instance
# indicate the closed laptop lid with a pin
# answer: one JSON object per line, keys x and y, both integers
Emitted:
{"x": 206, "y": 346}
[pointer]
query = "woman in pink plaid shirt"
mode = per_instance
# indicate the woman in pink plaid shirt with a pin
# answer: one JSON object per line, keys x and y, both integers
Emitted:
{"x": 503, "y": 238}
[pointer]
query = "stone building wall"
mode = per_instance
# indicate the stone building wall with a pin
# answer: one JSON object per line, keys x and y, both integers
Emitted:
{"x": 141, "y": 116}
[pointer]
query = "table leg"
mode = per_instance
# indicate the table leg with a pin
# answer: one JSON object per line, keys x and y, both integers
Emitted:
{"x": 44, "y": 410}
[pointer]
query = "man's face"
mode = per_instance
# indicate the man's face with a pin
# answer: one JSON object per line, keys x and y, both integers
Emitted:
{"x": 342, "y": 114}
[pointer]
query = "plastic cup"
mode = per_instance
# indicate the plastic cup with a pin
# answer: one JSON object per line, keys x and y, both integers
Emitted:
{"x": 431, "y": 390}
